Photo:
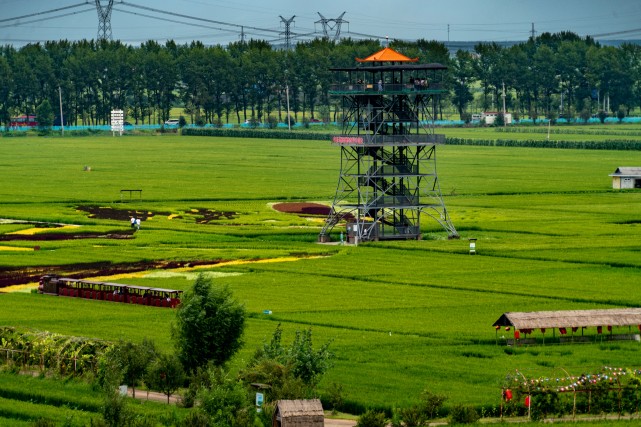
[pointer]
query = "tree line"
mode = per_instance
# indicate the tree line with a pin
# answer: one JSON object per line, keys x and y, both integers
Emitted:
{"x": 545, "y": 76}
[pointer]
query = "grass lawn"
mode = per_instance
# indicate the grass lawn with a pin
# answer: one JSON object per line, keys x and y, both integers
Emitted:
{"x": 402, "y": 316}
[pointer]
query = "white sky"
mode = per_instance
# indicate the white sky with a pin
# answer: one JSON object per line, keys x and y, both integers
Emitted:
{"x": 468, "y": 20}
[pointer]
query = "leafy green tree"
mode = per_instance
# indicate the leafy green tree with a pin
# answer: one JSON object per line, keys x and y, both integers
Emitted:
{"x": 109, "y": 376}
{"x": 135, "y": 359}
{"x": 485, "y": 67}
{"x": 209, "y": 325}
{"x": 462, "y": 76}
{"x": 292, "y": 372}
{"x": 166, "y": 375}
{"x": 307, "y": 364}
{"x": 44, "y": 113}
{"x": 431, "y": 403}
{"x": 6, "y": 87}
{"x": 227, "y": 401}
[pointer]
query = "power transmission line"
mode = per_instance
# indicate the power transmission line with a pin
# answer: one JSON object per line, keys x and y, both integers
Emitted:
{"x": 151, "y": 9}
{"x": 368, "y": 35}
{"x": 17, "y": 24}
{"x": 617, "y": 33}
{"x": 144, "y": 15}
{"x": 15, "y": 18}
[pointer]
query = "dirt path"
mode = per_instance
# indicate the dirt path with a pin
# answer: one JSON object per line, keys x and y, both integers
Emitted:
{"x": 159, "y": 397}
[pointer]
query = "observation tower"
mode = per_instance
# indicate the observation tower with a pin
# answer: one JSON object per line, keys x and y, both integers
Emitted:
{"x": 388, "y": 149}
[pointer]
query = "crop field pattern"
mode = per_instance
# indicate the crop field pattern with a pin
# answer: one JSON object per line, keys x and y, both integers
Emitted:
{"x": 402, "y": 315}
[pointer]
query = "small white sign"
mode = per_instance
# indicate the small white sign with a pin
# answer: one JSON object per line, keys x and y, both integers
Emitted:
{"x": 117, "y": 121}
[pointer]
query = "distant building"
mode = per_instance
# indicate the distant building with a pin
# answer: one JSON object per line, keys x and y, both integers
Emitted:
{"x": 490, "y": 117}
{"x": 626, "y": 177}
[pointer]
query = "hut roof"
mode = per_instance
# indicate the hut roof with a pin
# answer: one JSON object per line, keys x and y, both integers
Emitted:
{"x": 570, "y": 318}
{"x": 296, "y": 408}
{"x": 387, "y": 55}
{"x": 627, "y": 171}
{"x": 393, "y": 67}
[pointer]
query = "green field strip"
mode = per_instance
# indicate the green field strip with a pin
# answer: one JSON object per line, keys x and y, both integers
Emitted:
{"x": 31, "y": 412}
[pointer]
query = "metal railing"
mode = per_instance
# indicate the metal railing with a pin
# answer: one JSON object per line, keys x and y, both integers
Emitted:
{"x": 384, "y": 87}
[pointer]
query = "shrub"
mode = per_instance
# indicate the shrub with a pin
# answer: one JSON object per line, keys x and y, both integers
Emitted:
{"x": 372, "y": 418}
{"x": 272, "y": 122}
{"x": 335, "y": 397}
{"x": 460, "y": 414}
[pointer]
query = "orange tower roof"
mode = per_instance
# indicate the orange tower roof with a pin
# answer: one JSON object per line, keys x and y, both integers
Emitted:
{"x": 387, "y": 55}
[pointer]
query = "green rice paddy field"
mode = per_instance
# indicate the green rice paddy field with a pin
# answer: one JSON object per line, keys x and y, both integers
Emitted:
{"x": 402, "y": 316}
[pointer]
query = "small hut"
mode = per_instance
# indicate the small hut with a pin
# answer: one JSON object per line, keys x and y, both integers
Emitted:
{"x": 299, "y": 413}
{"x": 626, "y": 177}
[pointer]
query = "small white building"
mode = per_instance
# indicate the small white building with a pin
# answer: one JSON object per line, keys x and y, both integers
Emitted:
{"x": 626, "y": 177}
{"x": 489, "y": 117}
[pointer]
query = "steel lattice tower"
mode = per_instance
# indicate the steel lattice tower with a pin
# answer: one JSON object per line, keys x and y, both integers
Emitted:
{"x": 288, "y": 34}
{"x": 333, "y": 25}
{"x": 104, "y": 19}
{"x": 388, "y": 146}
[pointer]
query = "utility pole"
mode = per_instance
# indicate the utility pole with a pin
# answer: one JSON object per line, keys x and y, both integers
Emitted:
{"x": 504, "y": 110}
{"x": 288, "y": 34}
{"x": 62, "y": 119}
{"x": 104, "y": 19}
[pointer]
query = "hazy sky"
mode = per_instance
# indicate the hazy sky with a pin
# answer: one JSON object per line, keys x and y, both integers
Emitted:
{"x": 479, "y": 20}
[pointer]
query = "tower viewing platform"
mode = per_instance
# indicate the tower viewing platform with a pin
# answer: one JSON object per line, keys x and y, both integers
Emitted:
{"x": 388, "y": 174}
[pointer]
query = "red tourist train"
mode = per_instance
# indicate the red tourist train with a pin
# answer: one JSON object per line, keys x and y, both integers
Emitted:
{"x": 105, "y": 291}
{"x": 23, "y": 121}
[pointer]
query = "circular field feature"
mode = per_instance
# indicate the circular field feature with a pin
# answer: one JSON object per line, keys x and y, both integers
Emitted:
{"x": 303, "y": 208}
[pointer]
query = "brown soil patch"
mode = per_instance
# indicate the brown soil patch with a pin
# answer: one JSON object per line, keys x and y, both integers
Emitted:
{"x": 127, "y": 234}
{"x": 103, "y": 212}
{"x": 303, "y": 208}
{"x": 20, "y": 276}
{"x": 205, "y": 216}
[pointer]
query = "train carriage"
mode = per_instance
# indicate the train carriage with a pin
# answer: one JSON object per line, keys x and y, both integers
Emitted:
{"x": 106, "y": 291}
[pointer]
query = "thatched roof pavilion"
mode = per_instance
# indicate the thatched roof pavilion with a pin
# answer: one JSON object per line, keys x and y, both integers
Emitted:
{"x": 299, "y": 413}
{"x": 570, "y": 318}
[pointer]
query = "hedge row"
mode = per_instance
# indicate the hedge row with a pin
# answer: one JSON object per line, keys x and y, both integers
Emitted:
{"x": 585, "y": 145}
{"x": 282, "y": 134}
{"x": 257, "y": 133}
{"x": 567, "y": 131}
